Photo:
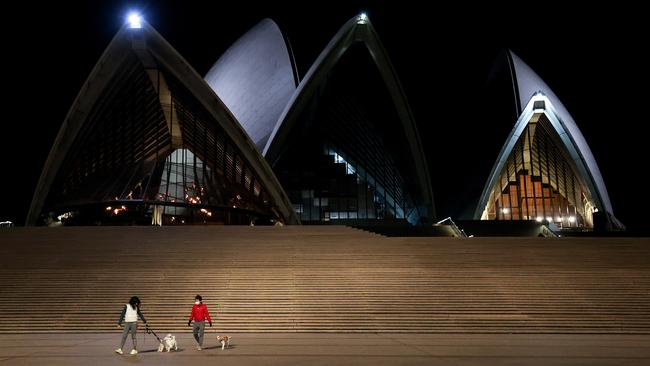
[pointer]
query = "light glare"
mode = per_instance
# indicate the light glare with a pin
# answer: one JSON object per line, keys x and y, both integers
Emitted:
{"x": 363, "y": 18}
{"x": 135, "y": 20}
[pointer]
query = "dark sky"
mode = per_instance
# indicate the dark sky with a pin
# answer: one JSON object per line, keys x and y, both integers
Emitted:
{"x": 594, "y": 58}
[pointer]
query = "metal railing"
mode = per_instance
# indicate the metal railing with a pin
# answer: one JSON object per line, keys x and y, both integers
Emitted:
{"x": 458, "y": 231}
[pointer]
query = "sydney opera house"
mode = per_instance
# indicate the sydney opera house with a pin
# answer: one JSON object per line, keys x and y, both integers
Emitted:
{"x": 545, "y": 170}
{"x": 149, "y": 141}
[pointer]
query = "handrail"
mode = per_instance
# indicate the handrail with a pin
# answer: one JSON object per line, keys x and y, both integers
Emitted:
{"x": 459, "y": 232}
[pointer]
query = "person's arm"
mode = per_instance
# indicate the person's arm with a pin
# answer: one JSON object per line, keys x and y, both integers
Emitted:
{"x": 119, "y": 322}
{"x": 191, "y": 316}
{"x": 207, "y": 315}
{"x": 141, "y": 316}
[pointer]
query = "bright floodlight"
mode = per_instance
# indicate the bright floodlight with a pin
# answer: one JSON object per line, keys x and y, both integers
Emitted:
{"x": 363, "y": 19}
{"x": 135, "y": 20}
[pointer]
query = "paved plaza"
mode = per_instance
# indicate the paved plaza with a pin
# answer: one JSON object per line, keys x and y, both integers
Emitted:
{"x": 334, "y": 349}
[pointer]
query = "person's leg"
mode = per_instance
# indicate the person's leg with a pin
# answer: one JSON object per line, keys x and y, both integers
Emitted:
{"x": 195, "y": 331}
{"x": 201, "y": 331}
{"x": 125, "y": 333}
{"x": 134, "y": 329}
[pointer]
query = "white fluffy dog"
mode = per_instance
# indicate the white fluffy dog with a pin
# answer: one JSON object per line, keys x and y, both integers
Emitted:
{"x": 168, "y": 343}
{"x": 224, "y": 340}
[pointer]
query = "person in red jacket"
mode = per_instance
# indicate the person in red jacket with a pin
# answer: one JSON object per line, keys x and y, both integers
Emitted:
{"x": 199, "y": 314}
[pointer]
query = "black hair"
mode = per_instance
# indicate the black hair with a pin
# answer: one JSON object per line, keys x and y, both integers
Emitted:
{"x": 198, "y": 297}
{"x": 134, "y": 302}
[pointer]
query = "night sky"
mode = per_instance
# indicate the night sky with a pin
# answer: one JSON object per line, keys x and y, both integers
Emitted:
{"x": 595, "y": 60}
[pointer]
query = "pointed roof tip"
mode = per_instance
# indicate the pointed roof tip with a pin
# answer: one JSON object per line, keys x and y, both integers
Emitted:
{"x": 100, "y": 78}
{"x": 528, "y": 84}
{"x": 255, "y": 77}
{"x": 264, "y": 22}
{"x": 362, "y": 18}
{"x": 134, "y": 20}
{"x": 271, "y": 21}
{"x": 344, "y": 38}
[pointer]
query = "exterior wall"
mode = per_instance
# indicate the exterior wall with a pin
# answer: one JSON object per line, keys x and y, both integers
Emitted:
{"x": 592, "y": 198}
{"x": 357, "y": 32}
{"x": 108, "y": 162}
{"x": 528, "y": 84}
{"x": 539, "y": 181}
{"x": 255, "y": 79}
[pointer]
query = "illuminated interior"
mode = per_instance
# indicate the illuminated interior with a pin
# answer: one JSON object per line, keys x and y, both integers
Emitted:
{"x": 540, "y": 182}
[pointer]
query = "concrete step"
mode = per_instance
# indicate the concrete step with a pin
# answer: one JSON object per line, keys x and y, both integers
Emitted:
{"x": 321, "y": 279}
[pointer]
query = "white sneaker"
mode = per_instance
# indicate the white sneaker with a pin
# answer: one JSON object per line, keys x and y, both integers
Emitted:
{"x": 198, "y": 348}
{"x": 134, "y": 351}
{"x": 119, "y": 350}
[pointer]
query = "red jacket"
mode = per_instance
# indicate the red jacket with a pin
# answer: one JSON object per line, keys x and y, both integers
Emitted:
{"x": 200, "y": 313}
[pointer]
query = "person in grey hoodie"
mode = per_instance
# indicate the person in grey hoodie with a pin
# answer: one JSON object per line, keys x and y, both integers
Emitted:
{"x": 129, "y": 317}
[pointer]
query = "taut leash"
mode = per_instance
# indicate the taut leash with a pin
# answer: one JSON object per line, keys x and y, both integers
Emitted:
{"x": 150, "y": 331}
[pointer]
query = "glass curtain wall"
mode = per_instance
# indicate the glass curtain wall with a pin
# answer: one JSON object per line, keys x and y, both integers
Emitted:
{"x": 539, "y": 182}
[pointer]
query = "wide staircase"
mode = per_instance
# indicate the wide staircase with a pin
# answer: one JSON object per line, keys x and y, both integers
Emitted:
{"x": 321, "y": 279}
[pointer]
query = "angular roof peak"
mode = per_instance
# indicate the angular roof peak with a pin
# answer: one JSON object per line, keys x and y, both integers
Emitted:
{"x": 255, "y": 78}
{"x": 144, "y": 56}
{"x": 358, "y": 29}
{"x": 528, "y": 83}
{"x": 529, "y": 90}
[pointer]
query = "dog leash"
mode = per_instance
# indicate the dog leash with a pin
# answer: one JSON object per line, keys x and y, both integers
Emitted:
{"x": 150, "y": 331}
{"x": 144, "y": 336}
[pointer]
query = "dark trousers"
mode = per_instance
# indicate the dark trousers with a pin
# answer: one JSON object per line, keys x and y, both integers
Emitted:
{"x": 198, "y": 329}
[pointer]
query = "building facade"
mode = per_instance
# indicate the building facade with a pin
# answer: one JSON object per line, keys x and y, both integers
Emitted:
{"x": 149, "y": 142}
{"x": 545, "y": 170}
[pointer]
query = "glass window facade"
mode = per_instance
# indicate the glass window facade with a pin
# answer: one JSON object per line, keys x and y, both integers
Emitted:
{"x": 150, "y": 153}
{"x": 540, "y": 182}
{"x": 348, "y": 159}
